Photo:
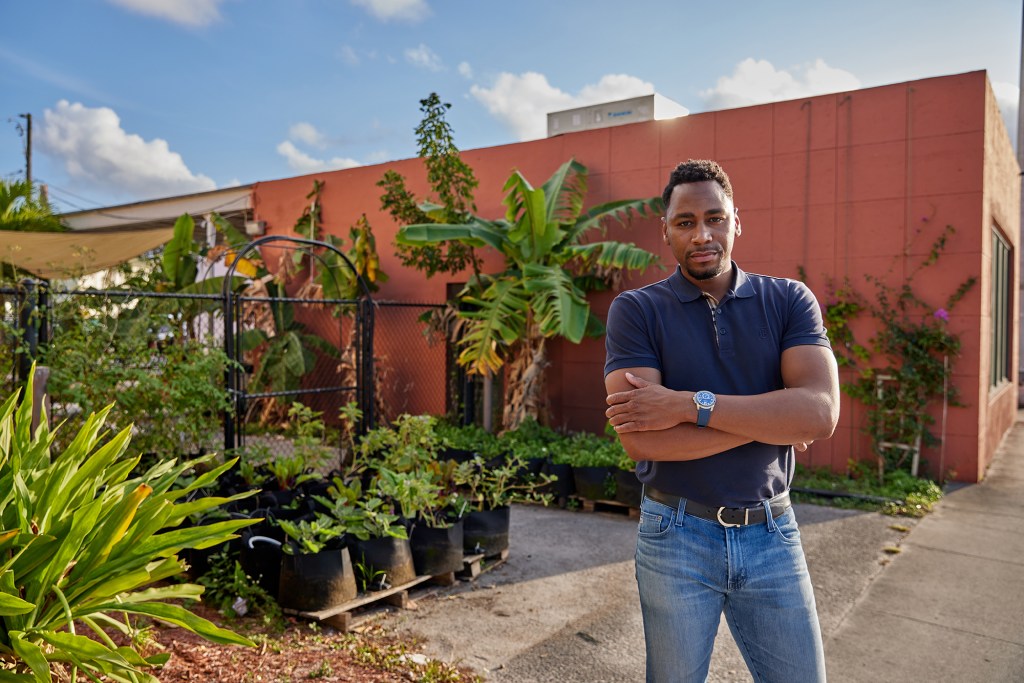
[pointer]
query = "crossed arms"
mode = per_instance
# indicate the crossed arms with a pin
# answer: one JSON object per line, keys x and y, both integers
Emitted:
{"x": 656, "y": 423}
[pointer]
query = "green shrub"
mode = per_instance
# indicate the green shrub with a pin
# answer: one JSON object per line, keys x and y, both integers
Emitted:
{"x": 584, "y": 449}
{"x": 83, "y": 546}
{"x": 171, "y": 392}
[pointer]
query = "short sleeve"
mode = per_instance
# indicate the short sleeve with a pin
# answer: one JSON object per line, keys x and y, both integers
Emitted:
{"x": 804, "y": 326}
{"x": 628, "y": 341}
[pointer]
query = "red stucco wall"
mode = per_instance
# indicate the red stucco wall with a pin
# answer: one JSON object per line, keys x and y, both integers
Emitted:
{"x": 838, "y": 185}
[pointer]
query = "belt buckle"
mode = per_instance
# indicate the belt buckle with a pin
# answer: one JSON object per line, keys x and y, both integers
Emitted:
{"x": 746, "y": 518}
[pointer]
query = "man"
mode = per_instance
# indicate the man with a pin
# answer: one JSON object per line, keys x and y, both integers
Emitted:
{"x": 714, "y": 375}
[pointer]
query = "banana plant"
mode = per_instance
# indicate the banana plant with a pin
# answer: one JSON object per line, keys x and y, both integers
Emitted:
{"x": 550, "y": 265}
{"x": 85, "y": 545}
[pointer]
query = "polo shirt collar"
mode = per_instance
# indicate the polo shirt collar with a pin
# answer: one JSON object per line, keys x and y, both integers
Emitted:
{"x": 686, "y": 291}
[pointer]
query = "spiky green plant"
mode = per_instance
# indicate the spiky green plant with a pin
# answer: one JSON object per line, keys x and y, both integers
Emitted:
{"x": 84, "y": 544}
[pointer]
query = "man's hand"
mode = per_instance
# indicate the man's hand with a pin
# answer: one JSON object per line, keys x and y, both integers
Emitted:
{"x": 648, "y": 407}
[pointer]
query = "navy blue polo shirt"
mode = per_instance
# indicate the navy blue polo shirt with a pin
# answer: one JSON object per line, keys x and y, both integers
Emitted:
{"x": 734, "y": 349}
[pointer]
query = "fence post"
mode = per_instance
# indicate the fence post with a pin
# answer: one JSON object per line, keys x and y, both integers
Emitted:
{"x": 33, "y": 319}
{"x": 364, "y": 377}
{"x": 229, "y": 373}
{"x": 40, "y": 397}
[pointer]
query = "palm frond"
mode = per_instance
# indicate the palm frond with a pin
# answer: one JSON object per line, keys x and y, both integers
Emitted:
{"x": 561, "y": 307}
{"x": 477, "y": 233}
{"x": 497, "y": 319}
{"x": 621, "y": 210}
{"x": 610, "y": 255}
{"x": 565, "y": 192}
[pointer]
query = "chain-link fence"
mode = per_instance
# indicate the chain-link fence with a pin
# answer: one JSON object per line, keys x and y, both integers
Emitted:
{"x": 160, "y": 359}
{"x": 412, "y": 366}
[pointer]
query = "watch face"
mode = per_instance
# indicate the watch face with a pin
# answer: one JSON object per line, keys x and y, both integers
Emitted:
{"x": 704, "y": 399}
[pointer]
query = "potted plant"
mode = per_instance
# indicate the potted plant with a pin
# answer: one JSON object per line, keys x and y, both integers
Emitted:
{"x": 490, "y": 491}
{"x": 593, "y": 461}
{"x": 316, "y": 567}
{"x": 378, "y": 540}
{"x": 538, "y": 445}
{"x": 436, "y": 530}
{"x": 461, "y": 442}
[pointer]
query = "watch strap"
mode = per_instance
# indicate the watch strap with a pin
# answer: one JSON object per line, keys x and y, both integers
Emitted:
{"x": 703, "y": 416}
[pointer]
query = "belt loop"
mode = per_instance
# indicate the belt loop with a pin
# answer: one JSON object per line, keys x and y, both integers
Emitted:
{"x": 772, "y": 527}
{"x": 681, "y": 512}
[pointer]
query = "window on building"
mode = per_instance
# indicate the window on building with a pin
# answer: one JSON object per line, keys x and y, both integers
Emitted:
{"x": 576, "y": 120}
{"x": 1002, "y": 318}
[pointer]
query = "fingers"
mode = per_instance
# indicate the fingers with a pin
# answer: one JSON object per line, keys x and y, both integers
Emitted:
{"x": 638, "y": 382}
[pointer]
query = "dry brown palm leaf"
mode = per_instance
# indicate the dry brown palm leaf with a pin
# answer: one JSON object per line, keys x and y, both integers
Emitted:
{"x": 524, "y": 392}
{"x": 310, "y": 290}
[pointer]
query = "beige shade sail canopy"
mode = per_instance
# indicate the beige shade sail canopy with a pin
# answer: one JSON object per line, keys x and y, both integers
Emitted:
{"x": 103, "y": 238}
{"x": 59, "y": 255}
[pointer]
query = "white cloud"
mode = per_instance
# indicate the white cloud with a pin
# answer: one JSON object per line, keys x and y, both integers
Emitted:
{"x": 402, "y": 10}
{"x": 304, "y": 163}
{"x": 758, "y": 81}
{"x": 348, "y": 55}
{"x": 522, "y": 102}
{"x": 186, "y": 12}
{"x": 465, "y": 70}
{"x": 96, "y": 150}
{"x": 307, "y": 133}
{"x": 423, "y": 57}
{"x": 1008, "y": 97}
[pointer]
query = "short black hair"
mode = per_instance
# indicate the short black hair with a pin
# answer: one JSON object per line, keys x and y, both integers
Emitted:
{"x": 696, "y": 171}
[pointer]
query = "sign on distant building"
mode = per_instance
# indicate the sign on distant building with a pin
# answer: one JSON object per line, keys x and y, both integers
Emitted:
{"x": 633, "y": 110}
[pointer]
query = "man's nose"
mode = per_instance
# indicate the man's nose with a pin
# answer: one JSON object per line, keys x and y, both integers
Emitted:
{"x": 702, "y": 234}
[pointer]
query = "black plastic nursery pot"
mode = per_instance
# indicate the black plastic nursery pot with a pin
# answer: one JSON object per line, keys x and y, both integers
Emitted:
{"x": 628, "y": 489}
{"x": 564, "y": 486}
{"x": 314, "y": 582}
{"x": 456, "y": 454}
{"x": 437, "y": 551}
{"x": 260, "y": 558}
{"x": 390, "y": 555}
{"x": 591, "y": 482}
{"x": 486, "y": 531}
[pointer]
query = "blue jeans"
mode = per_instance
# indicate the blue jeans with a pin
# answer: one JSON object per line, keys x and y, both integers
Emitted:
{"x": 690, "y": 569}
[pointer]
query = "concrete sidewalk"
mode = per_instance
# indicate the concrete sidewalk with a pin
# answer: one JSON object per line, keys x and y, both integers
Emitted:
{"x": 949, "y": 607}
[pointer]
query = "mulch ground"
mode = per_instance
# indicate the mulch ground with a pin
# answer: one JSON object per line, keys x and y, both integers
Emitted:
{"x": 299, "y": 652}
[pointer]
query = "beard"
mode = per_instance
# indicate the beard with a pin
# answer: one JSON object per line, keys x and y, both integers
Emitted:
{"x": 708, "y": 271}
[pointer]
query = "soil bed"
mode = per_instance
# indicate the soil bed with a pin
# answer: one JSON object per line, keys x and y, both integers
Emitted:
{"x": 301, "y": 651}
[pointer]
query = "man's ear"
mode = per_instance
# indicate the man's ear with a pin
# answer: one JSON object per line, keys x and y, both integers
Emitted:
{"x": 736, "y": 217}
{"x": 664, "y": 231}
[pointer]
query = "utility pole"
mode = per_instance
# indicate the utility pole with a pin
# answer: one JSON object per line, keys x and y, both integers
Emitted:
{"x": 28, "y": 148}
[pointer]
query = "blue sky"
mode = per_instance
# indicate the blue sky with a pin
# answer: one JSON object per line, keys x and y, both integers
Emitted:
{"x": 136, "y": 99}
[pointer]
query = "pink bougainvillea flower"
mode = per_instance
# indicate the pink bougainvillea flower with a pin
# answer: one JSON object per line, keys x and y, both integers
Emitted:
{"x": 942, "y": 314}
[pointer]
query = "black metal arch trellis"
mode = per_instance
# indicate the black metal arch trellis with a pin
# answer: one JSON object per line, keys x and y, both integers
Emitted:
{"x": 235, "y": 375}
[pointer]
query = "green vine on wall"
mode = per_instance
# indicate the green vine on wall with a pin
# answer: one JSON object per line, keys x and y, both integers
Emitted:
{"x": 914, "y": 351}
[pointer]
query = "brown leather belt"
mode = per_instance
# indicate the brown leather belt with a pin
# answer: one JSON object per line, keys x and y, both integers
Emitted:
{"x": 727, "y": 517}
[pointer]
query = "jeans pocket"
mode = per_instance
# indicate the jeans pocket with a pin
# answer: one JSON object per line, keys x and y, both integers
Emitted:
{"x": 789, "y": 530}
{"x": 653, "y": 524}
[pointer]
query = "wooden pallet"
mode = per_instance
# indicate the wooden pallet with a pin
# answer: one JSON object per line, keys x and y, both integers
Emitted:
{"x": 343, "y": 617}
{"x": 474, "y": 565}
{"x": 613, "y": 506}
